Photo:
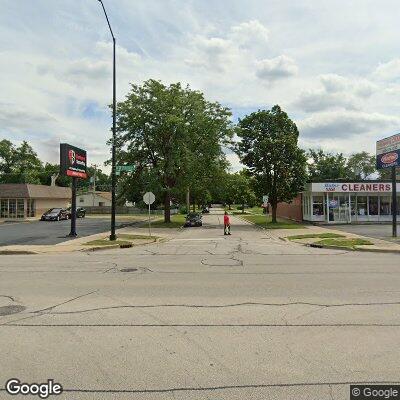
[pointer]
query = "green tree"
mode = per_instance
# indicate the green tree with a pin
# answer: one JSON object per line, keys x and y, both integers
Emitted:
{"x": 269, "y": 148}
{"x": 326, "y": 166}
{"x": 361, "y": 165}
{"x": 19, "y": 164}
{"x": 167, "y": 129}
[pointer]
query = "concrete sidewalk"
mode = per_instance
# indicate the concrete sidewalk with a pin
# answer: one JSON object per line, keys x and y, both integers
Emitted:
{"x": 78, "y": 244}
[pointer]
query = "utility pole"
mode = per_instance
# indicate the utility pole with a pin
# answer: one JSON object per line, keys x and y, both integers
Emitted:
{"x": 113, "y": 155}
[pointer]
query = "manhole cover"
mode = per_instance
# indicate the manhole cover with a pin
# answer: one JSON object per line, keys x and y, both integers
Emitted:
{"x": 8, "y": 310}
{"x": 128, "y": 270}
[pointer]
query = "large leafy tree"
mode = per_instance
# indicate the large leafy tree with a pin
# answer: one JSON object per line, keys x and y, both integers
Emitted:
{"x": 19, "y": 164}
{"x": 326, "y": 166}
{"x": 269, "y": 148}
{"x": 167, "y": 131}
{"x": 361, "y": 165}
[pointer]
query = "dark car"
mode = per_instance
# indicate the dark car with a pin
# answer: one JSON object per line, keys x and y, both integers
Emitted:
{"x": 193, "y": 219}
{"x": 80, "y": 212}
{"x": 205, "y": 210}
{"x": 55, "y": 214}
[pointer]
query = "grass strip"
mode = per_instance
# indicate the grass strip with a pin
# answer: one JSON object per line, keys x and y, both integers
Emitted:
{"x": 316, "y": 235}
{"x": 350, "y": 242}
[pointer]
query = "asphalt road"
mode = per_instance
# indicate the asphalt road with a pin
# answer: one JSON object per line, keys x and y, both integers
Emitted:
{"x": 202, "y": 316}
{"x": 52, "y": 232}
{"x": 379, "y": 231}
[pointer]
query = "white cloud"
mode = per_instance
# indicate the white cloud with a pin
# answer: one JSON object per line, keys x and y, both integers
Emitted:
{"x": 276, "y": 68}
{"x": 250, "y": 33}
{"x": 388, "y": 71}
{"x": 345, "y": 124}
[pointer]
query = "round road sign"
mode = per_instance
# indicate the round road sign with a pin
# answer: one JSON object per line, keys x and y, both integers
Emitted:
{"x": 149, "y": 198}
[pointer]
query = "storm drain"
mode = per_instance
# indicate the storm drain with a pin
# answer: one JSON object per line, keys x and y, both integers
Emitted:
{"x": 9, "y": 310}
{"x": 128, "y": 269}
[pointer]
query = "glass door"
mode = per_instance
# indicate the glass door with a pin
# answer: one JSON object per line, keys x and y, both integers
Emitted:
{"x": 339, "y": 208}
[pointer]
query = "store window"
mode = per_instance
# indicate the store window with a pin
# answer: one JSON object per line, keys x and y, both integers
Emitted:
{"x": 353, "y": 204}
{"x": 4, "y": 208}
{"x": 12, "y": 208}
{"x": 30, "y": 208}
{"x": 373, "y": 205}
{"x": 20, "y": 208}
{"x": 318, "y": 205}
{"x": 362, "y": 205}
{"x": 385, "y": 206}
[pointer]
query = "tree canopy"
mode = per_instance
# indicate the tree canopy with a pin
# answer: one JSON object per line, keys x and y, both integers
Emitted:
{"x": 269, "y": 148}
{"x": 173, "y": 135}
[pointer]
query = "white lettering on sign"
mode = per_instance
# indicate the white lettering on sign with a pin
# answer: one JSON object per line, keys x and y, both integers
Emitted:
{"x": 388, "y": 144}
{"x": 352, "y": 187}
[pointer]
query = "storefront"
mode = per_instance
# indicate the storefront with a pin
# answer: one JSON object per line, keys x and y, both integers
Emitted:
{"x": 348, "y": 202}
{"x": 30, "y": 201}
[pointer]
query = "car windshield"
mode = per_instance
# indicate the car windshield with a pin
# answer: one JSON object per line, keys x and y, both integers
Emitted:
{"x": 54, "y": 210}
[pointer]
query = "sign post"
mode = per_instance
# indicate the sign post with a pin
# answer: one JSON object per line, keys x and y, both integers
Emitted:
{"x": 149, "y": 199}
{"x": 388, "y": 156}
{"x": 73, "y": 162}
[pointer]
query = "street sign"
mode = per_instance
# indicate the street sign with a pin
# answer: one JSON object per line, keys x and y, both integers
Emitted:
{"x": 149, "y": 198}
{"x": 388, "y": 152}
{"x": 124, "y": 168}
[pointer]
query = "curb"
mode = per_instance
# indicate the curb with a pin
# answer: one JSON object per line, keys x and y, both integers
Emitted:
{"x": 356, "y": 248}
{"x": 118, "y": 246}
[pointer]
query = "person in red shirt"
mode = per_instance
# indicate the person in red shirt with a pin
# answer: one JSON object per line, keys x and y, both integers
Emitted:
{"x": 227, "y": 224}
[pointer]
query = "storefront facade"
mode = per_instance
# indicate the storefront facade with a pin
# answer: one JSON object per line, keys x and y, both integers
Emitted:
{"x": 348, "y": 202}
{"x": 20, "y": 201}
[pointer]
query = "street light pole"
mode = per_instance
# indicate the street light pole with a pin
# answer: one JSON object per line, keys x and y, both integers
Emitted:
{"x": 113, "y": 176}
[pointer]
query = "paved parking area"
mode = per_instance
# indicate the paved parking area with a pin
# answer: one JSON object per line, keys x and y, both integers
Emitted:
{"x": 378, "y": 231}
{"x": 53, "y": 232}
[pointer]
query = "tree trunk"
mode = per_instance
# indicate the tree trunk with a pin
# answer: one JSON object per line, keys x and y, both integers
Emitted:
{"x": 187, "y": 200}
{"x": 167, "y": 207}
{"x": 243, "y": 208}
{"x": 274, "y": 207}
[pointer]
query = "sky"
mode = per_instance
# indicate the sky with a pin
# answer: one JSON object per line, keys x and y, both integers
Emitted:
{"x": 333, "y": 66}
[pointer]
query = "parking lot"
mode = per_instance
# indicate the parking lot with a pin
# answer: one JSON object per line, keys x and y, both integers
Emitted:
{"x": 379, "y": 231}
{"x": 53, "y": 232}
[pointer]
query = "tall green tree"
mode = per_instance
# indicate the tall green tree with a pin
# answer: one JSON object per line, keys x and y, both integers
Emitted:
{"x": 269, "y": 148}
{"x": 327, "y": 166}
{"x": 167, "y": 129}
{"x": 361, "y": 165}
{"x": 19, "y": 164}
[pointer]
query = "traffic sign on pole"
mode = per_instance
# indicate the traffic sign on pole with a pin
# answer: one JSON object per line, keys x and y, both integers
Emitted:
{"x": 149, "y": 199}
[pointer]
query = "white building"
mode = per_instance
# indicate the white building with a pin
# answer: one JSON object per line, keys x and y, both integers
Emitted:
{"x": 349, "y": 202}
{"x": 94, "y": 199}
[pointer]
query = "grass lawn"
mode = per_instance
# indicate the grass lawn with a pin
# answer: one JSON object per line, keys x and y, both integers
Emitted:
{"x": 106, "y": 242}
{"x": 132, "y": 217}
{"x": 122, "y": 238}
{"x": 316, "y": 235}
{"x": 177, "y": 221}
{"x": 344, "y": 242}
{"x": 265, "y": 222}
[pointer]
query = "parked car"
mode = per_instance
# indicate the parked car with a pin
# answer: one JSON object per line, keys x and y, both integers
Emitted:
{"x": 193, "y": 219}
{"x": 80, "y": 212}
{"x": 55, "y": 214}
{"x": 205, "y": 210}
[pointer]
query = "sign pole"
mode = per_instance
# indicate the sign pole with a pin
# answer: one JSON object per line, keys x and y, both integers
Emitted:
{"x": 149, "y": 220}
{"x": 394, "y": 203}
{"x": 73, "y": 210}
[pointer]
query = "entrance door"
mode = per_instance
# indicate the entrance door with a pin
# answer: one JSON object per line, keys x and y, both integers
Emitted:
{"x": 339, "y": 208}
